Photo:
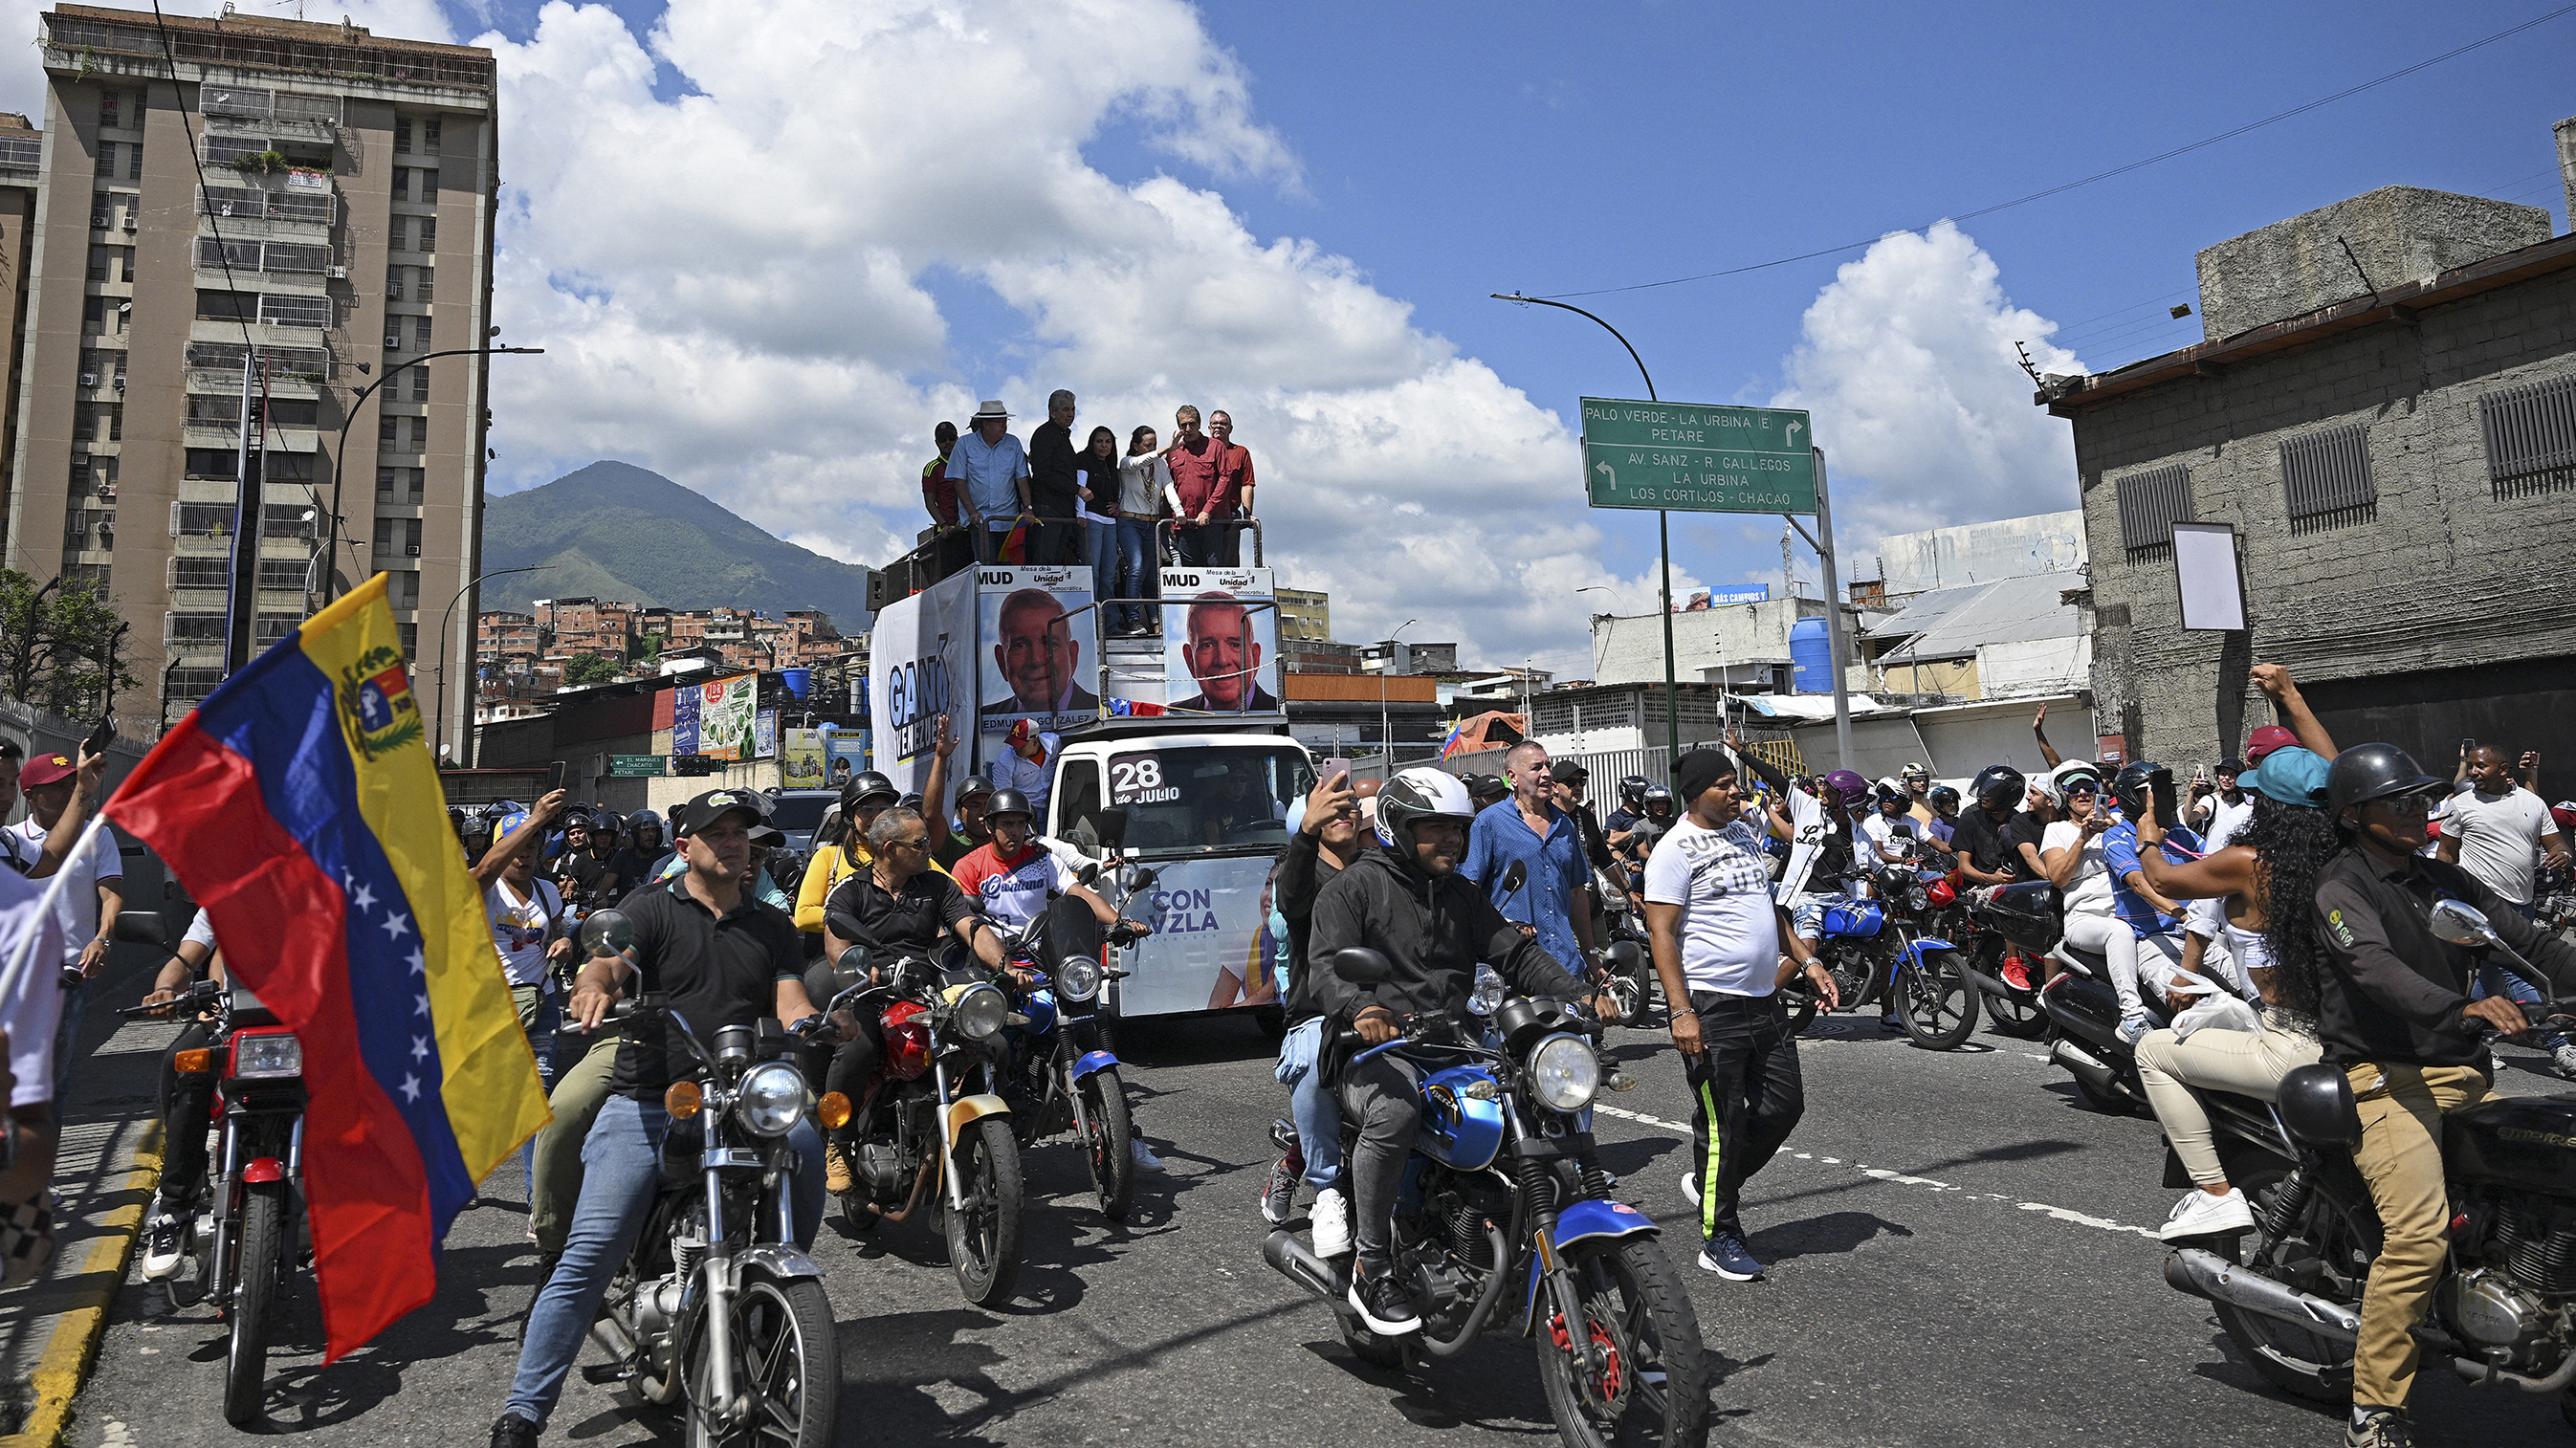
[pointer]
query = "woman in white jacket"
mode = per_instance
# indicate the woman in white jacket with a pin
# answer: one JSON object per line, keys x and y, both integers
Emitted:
{"x": 1144, "y": 495}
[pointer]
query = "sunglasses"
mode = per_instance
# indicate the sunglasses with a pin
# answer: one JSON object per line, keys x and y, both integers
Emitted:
{"x": 918, "y": 842}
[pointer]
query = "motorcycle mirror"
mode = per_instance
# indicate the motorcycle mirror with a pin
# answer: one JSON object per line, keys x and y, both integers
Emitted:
{"x": 1111, "y": 825}
{"x": 607, "y": 932}
{"x": 1516, "y": 876}
{"x": 850, "y": 968}
{"x": 2461, "y": 923}
{"x": 1359, "y": 965}
{"x": 1087, "y": 875}
{"x": 1141, "y": 879}
{"x": 141, "y": 927}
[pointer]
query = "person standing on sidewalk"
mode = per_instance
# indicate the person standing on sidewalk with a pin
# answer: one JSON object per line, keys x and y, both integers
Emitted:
{"x": 1717, "y": 936}
{"x": 88, "y": 905}
{"x": 2499, "y": 832}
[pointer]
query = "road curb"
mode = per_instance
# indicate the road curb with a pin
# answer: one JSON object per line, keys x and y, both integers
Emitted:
{"x": 74, "y": 1344}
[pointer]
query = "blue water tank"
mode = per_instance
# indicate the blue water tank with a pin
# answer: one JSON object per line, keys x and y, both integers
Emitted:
{"x": 799, "y": 682}
{"x": 1811, "y": 656}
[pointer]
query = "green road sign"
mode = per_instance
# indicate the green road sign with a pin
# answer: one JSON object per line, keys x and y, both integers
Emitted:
{"x": 1684, "y": 456}
{"x": 636, "y": 766}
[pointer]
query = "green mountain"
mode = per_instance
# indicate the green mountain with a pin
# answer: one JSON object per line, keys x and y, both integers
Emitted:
{"x": 616, "y": 531}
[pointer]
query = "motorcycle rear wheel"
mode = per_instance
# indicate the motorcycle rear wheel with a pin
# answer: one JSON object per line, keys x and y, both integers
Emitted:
{"x": 984, "y": 1240}
{"x": 263, "y": 1234}
{"x": 2016, "y": 1014}
{"x": 2335, "y": 1240}
{"x": 1937, "y": 1002}
{"x": 1108, "y": 1151}
{"x": 786, "y": 1350}
{"x": 1644, "y": 1378}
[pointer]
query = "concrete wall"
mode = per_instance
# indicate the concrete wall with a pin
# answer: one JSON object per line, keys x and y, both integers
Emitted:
{"x": 1982, "y": 552}
{"x": 2371, "y": 242}
{"x": 1631, "y": 650}
{"x": 2443, "y": 574}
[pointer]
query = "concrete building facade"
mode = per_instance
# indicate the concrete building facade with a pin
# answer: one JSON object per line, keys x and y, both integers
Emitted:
{"x": 229, "y": 203}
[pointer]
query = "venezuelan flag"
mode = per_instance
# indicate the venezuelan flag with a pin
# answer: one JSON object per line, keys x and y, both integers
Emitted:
{"x": 300, "y": 807}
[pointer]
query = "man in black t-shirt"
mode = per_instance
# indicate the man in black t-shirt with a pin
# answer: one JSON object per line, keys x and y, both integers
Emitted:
{"x": 717, "y": 957}
{"x": 1986, "y": 855}
{"x": 584, "y": 877}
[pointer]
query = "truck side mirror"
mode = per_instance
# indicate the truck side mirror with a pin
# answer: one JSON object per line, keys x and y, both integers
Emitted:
{"x": 1111, "y": 825}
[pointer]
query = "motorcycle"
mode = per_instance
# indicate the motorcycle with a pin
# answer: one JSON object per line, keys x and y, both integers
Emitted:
{"x": 1873, "y": 954}
{"x": 1504, "y": 1189}
{"x": 919, "y": 1128}
{"x": 2004, "y": 925}
{"x": 717, "y": 1311}
{"x": 2083, "y": 1009}
{"x": 2289, "y": 1292}
{"x": 253, "y": 1234}
{"x": 1063, "y": 1073}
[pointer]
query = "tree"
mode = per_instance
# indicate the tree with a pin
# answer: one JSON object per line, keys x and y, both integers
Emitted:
{"x": 590, "y": 668}
{"x": 647, "y": 651}
{"x": 58, "y": 643}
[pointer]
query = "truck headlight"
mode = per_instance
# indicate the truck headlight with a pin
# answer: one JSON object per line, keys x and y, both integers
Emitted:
{"x": 1565, "y": 1073}
{"x": 772, "y": 1099}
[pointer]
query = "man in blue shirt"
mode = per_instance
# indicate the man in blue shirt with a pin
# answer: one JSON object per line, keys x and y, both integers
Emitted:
{"x": 1548, "y": 844}
{"x": 992, "y": 478}
{"x": 2153, "y": 938}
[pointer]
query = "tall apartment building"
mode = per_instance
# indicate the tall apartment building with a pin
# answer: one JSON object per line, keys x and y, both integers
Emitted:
{"x": 216, "y": 193}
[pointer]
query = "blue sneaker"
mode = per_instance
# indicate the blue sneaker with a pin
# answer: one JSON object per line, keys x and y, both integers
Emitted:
{"x": 1727, "y": 1256}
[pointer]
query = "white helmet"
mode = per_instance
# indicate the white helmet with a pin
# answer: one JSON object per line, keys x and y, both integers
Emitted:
{"x": 1417, "y": 794}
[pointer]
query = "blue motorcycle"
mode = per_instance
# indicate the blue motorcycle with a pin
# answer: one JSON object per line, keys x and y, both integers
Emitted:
{"x": 1872, "y": 945}
{"x": 1505, "y": 1217}
{"x": 1063, "y": 1077}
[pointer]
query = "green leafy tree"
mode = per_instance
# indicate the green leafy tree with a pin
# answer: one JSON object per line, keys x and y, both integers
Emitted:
{"x": 59, "y": 648}
{"x": 590, "y": 668}
{"x": 648, "y": 651}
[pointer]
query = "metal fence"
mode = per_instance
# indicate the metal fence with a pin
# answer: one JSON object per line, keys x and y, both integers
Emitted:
{"x": 1606, "y": 767}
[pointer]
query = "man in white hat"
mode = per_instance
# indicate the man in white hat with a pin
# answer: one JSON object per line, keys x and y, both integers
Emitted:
{"x": 992, "y": 477}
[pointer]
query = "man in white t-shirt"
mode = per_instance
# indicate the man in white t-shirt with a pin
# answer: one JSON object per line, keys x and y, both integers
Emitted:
{"x": 87, "y": 905}
{"x": 2498, "y": 831}
{"x": 1717, "y": 936}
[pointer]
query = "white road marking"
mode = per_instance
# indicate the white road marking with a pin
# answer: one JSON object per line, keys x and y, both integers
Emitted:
{"x": 2062, "y": 1214}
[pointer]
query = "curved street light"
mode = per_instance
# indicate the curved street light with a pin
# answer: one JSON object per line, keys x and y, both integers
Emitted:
{"x": 1385, "y": 734}
{"x": 340, "y": 453}
{"x": 438, "y": 739}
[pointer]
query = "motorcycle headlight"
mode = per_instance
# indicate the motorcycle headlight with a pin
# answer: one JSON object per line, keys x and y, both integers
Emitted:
{"x": 772, "y": 1099}
{"x": 275, "y": 1057}
{"x": 1565, "y": 1073}
{"x": 979, "y": 1011}
{"x": 1077, "y": 979}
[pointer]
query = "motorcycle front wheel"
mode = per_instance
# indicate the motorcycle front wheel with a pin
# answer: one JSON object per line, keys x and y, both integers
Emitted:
{"x": 263, "y": 1234}
{"x": 1937, "y": 1002}
{"x": 1632, "y": 1372}
{"x": 786, "y": 1369}
{"x": 1108, "y": 1152}
{"x": 984, "y": 1238}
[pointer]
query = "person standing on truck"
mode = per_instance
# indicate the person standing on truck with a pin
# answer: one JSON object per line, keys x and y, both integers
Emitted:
{"x": 1027, "y": 764}
{"x": 992, "y": 476}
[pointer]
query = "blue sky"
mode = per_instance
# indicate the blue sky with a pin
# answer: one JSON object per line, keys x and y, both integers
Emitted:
{"x": 1445, "y": 152}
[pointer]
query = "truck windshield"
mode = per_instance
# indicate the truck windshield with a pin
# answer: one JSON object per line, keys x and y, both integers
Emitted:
{"x": 1193, "y": 799}
{"x": 799, "y": 813}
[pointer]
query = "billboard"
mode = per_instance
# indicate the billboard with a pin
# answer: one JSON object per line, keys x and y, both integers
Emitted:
{"x": 800, "y": 760}
{"x": 1037, "y": 649}
{"x": 921, "y": 665}
{"x": 845, "y": 755}
{"x": 719, "y": 718}
{"x": 1220, "y": 641}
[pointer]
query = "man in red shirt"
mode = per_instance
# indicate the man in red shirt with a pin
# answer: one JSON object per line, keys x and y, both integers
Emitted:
{"x": 1194, "y": 460}
{"x": 1234, "y": 484}
{"x": 1014, "y": 878}
{"x": 938, "y": 494}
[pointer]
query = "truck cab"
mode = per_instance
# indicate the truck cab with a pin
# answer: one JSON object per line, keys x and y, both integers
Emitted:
{"x": 1204, "y": 807}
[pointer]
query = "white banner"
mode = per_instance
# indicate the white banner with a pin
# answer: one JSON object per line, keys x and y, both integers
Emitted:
{"x": 921, "y": 663}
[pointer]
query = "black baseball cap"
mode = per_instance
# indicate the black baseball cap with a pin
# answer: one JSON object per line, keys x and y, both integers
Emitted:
{"x": 1566, "y": 771}
{"x": 707, "y": 808}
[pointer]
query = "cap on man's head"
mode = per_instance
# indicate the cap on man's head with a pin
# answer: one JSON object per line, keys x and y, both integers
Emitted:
{"x": 1696, "y": 771}
{"x": 713, "y": 805}
{"x": 47, "y": 769}
{"x": 1021, "y": 732}
{"x": 2231, "y": 766}
{"x": 991, "y": 410}
{"x": 1566, "y": 771}
{"x": 2267, "y": 739}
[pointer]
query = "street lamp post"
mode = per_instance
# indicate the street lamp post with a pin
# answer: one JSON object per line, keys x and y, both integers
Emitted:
{"x": 444, "y": 619}
{"x": 340, "y": 453}
{"x": 1385, "y": 731}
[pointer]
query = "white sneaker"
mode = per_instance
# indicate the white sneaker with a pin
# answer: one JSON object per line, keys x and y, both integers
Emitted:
{"x": 2199, "y": 1214}
{"x": 1690, "y": 1188}
{"x": 2563, "y": 1061}
{"x": 1329, "y": 1222}
{"x": 164, "y": 1239}
{"x": 1145, "y": 1160}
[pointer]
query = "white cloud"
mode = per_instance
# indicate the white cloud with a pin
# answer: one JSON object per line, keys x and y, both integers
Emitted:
{"x": 1906, "y": 358}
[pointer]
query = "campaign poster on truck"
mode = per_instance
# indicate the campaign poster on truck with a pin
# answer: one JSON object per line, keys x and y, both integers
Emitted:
{"x": 921, "y": 665}
{"x": 1220, "y": 641}
{"x": 1212, "y": 945}
{"x": 1038, "y": 650}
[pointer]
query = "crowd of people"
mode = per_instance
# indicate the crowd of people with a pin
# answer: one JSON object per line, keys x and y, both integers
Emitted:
{"x": 1099, "y": 502}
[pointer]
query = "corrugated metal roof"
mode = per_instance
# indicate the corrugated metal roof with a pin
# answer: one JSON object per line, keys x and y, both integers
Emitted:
{"x": 1950, "y": 623}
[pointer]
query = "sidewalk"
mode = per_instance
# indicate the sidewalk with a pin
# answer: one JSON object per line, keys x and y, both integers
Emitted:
{"x": 104, "y": 1176}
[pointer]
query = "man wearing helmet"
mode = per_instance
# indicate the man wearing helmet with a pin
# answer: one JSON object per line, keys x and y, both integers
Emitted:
{"x": 1632, "y": 808}
{"x": 1408, "y": 903}
{"x": 2396, "y": 1017}
{"x": 1984, "y": 857}
{"x": 644, "y": 853}
{"x": 1918, "y": 791}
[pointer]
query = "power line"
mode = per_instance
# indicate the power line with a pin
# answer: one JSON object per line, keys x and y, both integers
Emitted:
{"x": 2207, "y": 141}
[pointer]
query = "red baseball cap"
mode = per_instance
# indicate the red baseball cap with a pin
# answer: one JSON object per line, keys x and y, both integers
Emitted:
{"x": 2267, "y": 739}
{"x": 46, "y": 769}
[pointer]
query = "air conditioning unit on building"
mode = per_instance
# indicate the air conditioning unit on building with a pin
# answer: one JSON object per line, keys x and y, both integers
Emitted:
{"x": 129, "y": 221}
{"x": 339, "y": 274}
{"x": 393, "y": 343}
{"x": 89, "y": 379}
{"x": 412, "y": 549}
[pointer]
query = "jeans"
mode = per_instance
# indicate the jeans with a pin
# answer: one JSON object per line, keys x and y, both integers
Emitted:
{"x": 2401, "y": 1157}
{"x": 621, "y": 1174}
{"x": 1226, "y": 549}
{"x": 1054, "y": 541}
{"x": 1197, "y": 546}
{"x": 988, "y": 540}
{"x": 1100, "y": 550}
{"x": 186, "y": 1102}
{"x": 1746, "y": 1097}
{"x": 1139, "y": 571}
{"x": 539, "y": 1014}
{"x": 1310, "y": 1103}
{"x": 1382, "y": 1094}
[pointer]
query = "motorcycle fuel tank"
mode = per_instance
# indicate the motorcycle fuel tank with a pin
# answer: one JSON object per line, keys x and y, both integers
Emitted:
{"x": 1857, "y": 918}
{"x": 2524, "y": 1141}
{"x": 1458, "y": 1130}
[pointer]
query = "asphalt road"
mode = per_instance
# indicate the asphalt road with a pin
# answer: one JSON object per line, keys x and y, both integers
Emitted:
{"x": 1959, "y": 1252}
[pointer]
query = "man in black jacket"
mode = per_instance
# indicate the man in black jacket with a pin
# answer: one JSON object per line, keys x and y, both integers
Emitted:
{"x": 1053, "y": 462}
{"x": 1433, "y": 926}
{"x": 2395, "y": 1015}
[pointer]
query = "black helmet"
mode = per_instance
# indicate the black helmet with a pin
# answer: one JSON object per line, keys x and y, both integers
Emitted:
{"x": 971, "y": 786}
{"x": 1632, "y": 792}
{"x": 1943, "y": 797}
{"x": 869, "y": 787}
{"x": 1657, "y": 794}
{"x": 2374, "y": 771}
{"x": 607, "y": 822}
{"x": 1009, "y": 802}
{"x": 2129, "y": 789}
{"x": 909, "y": 801}
{"x": 1999, "y": 786}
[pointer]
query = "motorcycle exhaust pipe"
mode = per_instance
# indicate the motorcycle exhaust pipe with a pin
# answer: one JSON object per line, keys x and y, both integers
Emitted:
{"x": 1987, "y": 983}
{"x": 1299, "y": 1264}
{"x": 2096, "y": 1073}
{"x": 2198, "y": 1272}
{"x": 911, "y": 1203}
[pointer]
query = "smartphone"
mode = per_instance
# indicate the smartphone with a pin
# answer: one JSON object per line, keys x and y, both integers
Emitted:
{"x": 555, "y": 776}
{"x": 2466, "y": 745}
{"x": 100, "y": 737}
{"x": 2160, "y": 787}
{"x": 1331, "y": 767}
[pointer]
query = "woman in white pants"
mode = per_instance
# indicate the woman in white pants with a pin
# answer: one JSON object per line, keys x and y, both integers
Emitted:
{"x": 2274, "y": 858}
